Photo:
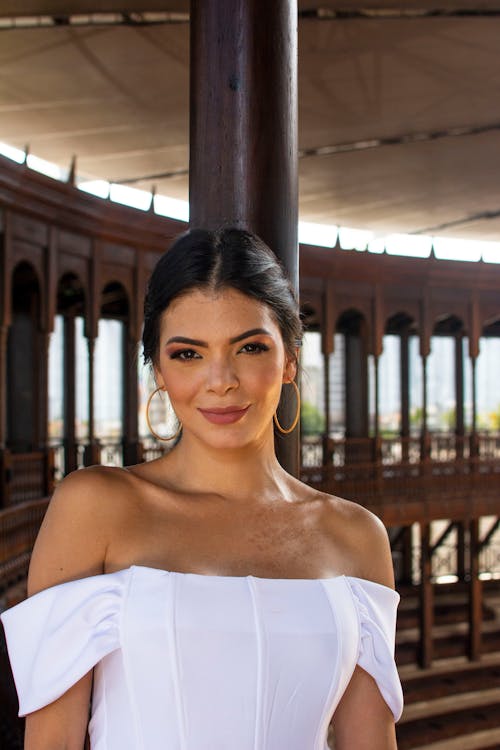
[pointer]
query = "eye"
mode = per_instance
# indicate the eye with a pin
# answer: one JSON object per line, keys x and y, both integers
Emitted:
{"x": 185, "y": 354}
{"x": 254, "y": 348}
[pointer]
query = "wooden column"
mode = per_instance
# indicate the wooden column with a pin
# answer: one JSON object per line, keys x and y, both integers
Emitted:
{"x": 459, "y": 396}
{"x": 426, "y": 598}
{"x": 70, "y": 463}
{"x": 405, "y": 393}
{"x": 131, "y": 448}
{"x": 243, "y": 133}
{"x": 424, "y": 435}
{"x": 4, "y": 333}
{"x": 327, "y": 349}
{"x": 474, "y": 440}
{"x": 92, "y": 449}
{"x": 475, "y": 592}
{"x": 5, "y": 473}
{"x": 42, "y": 415}
{"x": 376, "y": 369}
{"x": 326, "y": 385}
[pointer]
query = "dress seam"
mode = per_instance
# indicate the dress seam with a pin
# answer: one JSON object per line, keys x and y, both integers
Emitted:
{"x": 326, "y": 718}
{"x": 260, "y": 742}
{"x": 126, "y": 665}
{"x": 171, "y": 636}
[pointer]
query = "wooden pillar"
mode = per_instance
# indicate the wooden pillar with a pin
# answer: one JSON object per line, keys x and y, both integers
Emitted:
{"x": 475, "y": 593}
{"x": 376, "y": 372}
{"x": 131, "y": 448}
{"x": 424, "y": 435}
{"x": 461, "y": 551}
{"x": 405, "y": 393}
{"x": 327, "y": 349}
{"x": 92, "y": 449}
{"x": 70, "y": 462}
{"x": 377, "y": 441}
{"x": 474, "y": 439}
{"x": 42, "y": 415}
{"x": 326, "y": 430}
{"x": 426, "y": 598}
{"x": 4, "y": 453}
{"x": 407, "y": 562}
{"x": 4, "y": 333}
{"x": 243, "y": 133}
{"x": 459, "y": 396}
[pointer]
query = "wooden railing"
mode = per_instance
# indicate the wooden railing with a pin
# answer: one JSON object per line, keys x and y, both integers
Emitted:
{"x": 19, "y": 526}
{"x": 26, "y": 476}
{"x": 438, "y": 447}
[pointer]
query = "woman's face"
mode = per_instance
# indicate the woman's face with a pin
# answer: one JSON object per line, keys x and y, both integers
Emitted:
{"x": 222, "y": 361}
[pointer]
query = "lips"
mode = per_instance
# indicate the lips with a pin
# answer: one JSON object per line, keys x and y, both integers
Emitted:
{"x": 224, "y": 415}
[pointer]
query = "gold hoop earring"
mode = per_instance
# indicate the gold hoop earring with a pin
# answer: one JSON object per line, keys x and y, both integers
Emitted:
{"x": 297, "y": 415}
{"x": 155, "y": 434}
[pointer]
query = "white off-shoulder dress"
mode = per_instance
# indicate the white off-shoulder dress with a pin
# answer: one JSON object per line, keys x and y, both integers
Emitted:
{"x": 185, "y": 661}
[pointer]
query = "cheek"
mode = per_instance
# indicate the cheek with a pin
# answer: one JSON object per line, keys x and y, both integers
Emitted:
{"x": 180, "y": 384}
{"x": 266, "y": 380}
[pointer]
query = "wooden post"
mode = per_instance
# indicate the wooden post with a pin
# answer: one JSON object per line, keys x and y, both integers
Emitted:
{"x": 243, "y": 133}
{"x": 424, "y": 436}
{"x": 459, "y": 396}
{"x": 70, "y": 463}
{"x": 92, "y": 454}
{"x": 426, "y": 598}
{"x": 405, "y": 394}
{"x": 4, "y": 332}
{"x": 131, "y": 448}
{"x": 475, "y": 593}
{"x": 474, "y": 440}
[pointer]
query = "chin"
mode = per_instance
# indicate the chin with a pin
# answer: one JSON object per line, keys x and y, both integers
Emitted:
{"x": 227, "y": 440}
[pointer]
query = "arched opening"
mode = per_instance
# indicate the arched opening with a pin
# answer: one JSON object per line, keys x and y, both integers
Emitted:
{"x": 487, "y": 368}
{"x": 68, "y": 372}
{"x": 448, "y": 389}
{"x": 400, "y": 389}
{"x": 24, "y": 412}
{"x": 112, "y": 372}
{"x": 353, "y": 350}
{"x": 315, "y": 401}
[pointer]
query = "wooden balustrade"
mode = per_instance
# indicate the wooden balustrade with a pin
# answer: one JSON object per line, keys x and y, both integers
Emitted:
{"x": 26, "y": 476}
{"x": 18, "y": 529}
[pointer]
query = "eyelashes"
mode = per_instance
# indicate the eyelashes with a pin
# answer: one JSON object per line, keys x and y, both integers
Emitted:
{"x": 255, "y": 348}
{"x": 186, "y": 355}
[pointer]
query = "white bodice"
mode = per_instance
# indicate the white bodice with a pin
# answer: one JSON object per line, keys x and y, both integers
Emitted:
{"x": 186, "y": 661}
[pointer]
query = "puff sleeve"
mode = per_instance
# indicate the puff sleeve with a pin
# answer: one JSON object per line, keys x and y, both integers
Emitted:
{"x": 56, "y": 636}
{"x": 377, "y": 609}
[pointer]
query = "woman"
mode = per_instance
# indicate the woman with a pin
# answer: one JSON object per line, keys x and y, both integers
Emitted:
{"x": 223, "y": 603}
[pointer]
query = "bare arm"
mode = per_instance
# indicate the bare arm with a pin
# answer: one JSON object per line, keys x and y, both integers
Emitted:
{"x": 363, "y": 720}
{"x": 71, "y": 545}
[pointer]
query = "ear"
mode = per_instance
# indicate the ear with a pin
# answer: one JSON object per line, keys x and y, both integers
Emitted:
{"x": 158, "y": 378}
{"x": 291, "y": 365}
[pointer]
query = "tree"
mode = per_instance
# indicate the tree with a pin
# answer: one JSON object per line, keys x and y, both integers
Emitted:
{"x": 312, "y": 420}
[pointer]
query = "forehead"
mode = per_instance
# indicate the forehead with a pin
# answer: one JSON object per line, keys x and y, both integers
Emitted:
{"x": 202, "y": 311}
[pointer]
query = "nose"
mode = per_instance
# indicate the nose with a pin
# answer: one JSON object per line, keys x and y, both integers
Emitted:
{"x": 221, "y": 376}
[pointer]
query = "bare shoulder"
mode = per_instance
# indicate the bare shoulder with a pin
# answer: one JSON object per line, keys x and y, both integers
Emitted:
{"x": 363, "y": 538}
{"x": 83, "y": 513}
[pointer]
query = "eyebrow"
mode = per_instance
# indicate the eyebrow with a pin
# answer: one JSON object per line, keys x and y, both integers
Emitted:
{"x": 197, "y": 342}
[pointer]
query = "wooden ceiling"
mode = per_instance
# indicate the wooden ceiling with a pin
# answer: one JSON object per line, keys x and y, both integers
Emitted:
{"x": 399, "y": 104}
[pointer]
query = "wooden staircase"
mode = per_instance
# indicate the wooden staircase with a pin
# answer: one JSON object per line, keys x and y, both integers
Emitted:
{"x": 455, "y": 704}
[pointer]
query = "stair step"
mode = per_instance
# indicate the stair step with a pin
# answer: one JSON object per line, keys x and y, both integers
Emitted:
{"x": 451, "y": 726}
{"x": 449, "y": 703}
{"x": 487, "y": 739}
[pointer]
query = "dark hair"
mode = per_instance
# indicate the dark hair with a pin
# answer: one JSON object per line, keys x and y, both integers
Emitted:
{"x": 228, "y": 258}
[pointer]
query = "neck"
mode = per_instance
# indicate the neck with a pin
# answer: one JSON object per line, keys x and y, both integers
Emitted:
{"x": 252, "y": 471}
